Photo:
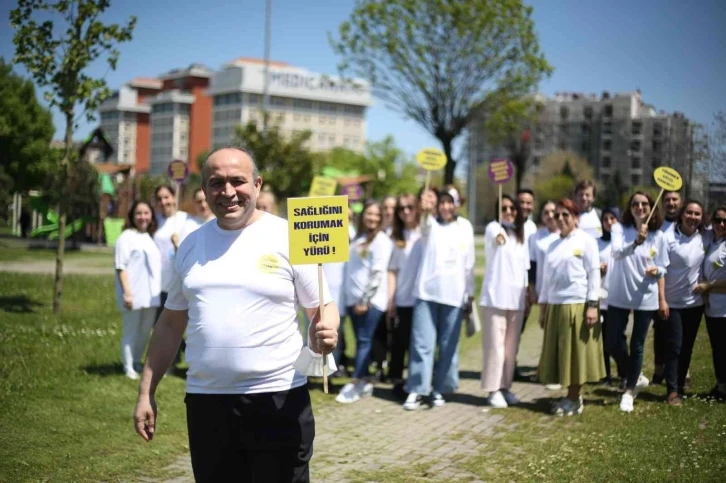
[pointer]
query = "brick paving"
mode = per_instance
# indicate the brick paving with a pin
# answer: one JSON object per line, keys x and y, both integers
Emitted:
{"x": 377, "y": 434}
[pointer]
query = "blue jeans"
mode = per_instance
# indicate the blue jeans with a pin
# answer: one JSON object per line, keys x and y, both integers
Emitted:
{"x": 434, "y": 325}
{"x": 365, "y": 326}
{"x": 616, "y": 341}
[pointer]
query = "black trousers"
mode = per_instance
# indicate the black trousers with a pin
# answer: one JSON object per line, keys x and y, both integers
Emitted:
{"x": 659, "y": 341}
{"x": 401, "y": 342}
{"x": 716, "y": 327}
{"x": 679, "y": 335}
{"x": 379, "y": 353}
{"x": 251, "y": 438}
{"x": 622, "y": 370}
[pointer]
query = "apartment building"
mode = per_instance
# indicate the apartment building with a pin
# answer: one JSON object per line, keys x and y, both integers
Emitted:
{"x": 616, "y": 133}
{"x": 331, "y": 108}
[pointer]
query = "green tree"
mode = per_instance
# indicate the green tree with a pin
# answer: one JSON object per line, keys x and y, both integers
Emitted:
{"x": 285, "y": 164}
{"x": 610, "y": 196}
{"x": 554, "y": 188}
{"x": 58, "y": 51}
{"x": 26, "y": 129}
{"x": 439, "y": 61}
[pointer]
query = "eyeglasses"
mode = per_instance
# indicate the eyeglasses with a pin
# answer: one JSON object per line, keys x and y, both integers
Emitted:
{"x": 636, "y": 204}
{"x": 565, "y": 216}
{"x": 509, "y": 208}
{"x": 405, "y": 208}
{"x": 717, "y": 220}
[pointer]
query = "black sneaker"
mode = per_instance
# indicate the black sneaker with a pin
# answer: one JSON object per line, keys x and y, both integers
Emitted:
{"x": 623, "y": 384}
{"x": 399, "y": 391}
{"x": 657, "y": 379}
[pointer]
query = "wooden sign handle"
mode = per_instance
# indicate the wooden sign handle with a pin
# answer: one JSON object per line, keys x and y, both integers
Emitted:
{"x": 655, "y": 207}
{"x": 322, "y": 313}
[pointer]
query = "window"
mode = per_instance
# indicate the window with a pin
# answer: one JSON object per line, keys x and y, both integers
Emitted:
{"x": 657, "y": 146}
{"x": 278, "y": 101}
{"x": 535, "y": 161}
{"x": 564, "y": 112}
{"x": 608, "y": 110}
{"x": 585, "y": 146}
{"x": 607, "y": 128}
{"x": 331, "y": 120}
{"x": 302, "y": 104}
{"x": 564, "y": 128}
{"x": 605, "y": 161}
{"x": 635, "y": 145}
{"x": 323, "y": 120}
{"x": 657, "y": 129}
{"x": 635, "y": 180}
{"x": 607, "y": 145}
{"x": 637, "y": 162}
{"x": 588, "y": 112}
{"x": 328, "y": 107}
{"x": 562, "y": 144}
{"x": 331, "y": 139}
{"x": 637, "y": 128}
{"x": 321, "y": 138}
{"x": 355, "y": 110}
{"x": 586, "y": 128}
{"x": 656, "y": 161}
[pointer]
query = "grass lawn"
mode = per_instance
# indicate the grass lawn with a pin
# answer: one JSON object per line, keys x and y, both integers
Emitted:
{"x": 15, "y": 253}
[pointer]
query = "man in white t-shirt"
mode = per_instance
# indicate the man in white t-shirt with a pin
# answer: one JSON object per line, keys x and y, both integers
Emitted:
{"x": 672, "y": 202}
{"x": 589, "y": 222}
{"x": 525, "y": 197}
{"x": 249, "y": 415}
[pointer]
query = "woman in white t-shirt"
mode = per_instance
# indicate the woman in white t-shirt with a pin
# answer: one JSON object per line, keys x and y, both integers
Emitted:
{"x": 366, "y": 294}
{"x": 570, "y": 296}
{"x": 402, "y": 270}
{"x": 537, "y": 247}
{"x": 609, "y": 218}
{"x": 503, "y": 301}
{"x": 713, "y": 287}
{"x": 444, "y": 285}
{"x": 685, "y": 244}
{"x": 138, "y": 284}
{"x": 639, "y": 261}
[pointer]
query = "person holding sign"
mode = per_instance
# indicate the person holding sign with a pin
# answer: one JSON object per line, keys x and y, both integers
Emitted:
{"x": 639, "y": 260}
{"x": 503, "y": 301}
{"x": 366, "y": 294}
{"x": 444, "y": 284}
{"x": 249, "y": 415}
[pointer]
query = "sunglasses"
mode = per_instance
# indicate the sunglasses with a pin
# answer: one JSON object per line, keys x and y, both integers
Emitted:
{"x": 636, "y": 204}
{"x": 565, "y": 216}
{"x": 509, "y": 208}
{"x": 717, "y": 220}
{"x": 405, "y": 208}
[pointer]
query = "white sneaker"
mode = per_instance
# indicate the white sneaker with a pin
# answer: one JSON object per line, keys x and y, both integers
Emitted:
{"x": 349, "y": 394}
{"x": 365, "y": 389}
{"x": 413, "y": 402}
{"x": 496, "y": 400}
{"x": 437, "y": 400}
{"x": 553, "y": 387}
{"x": 640, "y": 385}
{"x": 626, "y": 403}
{"x": 132, "y": 374}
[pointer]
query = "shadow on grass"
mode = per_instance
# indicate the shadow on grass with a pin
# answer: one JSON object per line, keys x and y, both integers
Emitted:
{"x": 117, "y": 369}
{"x": 18, "y": 304}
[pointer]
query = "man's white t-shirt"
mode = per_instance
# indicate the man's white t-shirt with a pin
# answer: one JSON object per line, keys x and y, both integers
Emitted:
{"x": 367, "y": 268}
{"x": 590, "y": 223}
{"x": 685, "y": 256}
{"x": 530, "y": 228}
{"x": 446, "y": 272}
{"x": 405, "y": 262}
{"x": 505, "y": 280}
{"x": 192, "y": 224}
{"x": 165, "y": 229}
{"x": 538, "y": 244}
{"x": 137, "y": 254}
{"x": 242, "y": 295}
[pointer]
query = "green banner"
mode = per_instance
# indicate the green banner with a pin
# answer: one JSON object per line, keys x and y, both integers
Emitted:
{"x": 113, "y": 228}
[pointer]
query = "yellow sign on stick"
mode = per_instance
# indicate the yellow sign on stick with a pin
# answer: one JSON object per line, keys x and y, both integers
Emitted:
{"x": 431, "y": 159}
{"x": 318, "y": 229}
{"x": 322, "y": 186}
{"x": 668, "y": 178}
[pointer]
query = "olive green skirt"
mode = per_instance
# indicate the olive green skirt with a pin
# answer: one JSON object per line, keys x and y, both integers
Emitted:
{"x": 572, "y": 352}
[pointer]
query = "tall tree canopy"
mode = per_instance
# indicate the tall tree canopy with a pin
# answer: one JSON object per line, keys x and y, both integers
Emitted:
{"x": 438, "y": 61}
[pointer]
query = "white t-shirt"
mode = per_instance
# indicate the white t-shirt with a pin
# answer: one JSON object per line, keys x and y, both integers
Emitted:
{"x": 630, "y": 287}
{"x": 137, "y": 254}
{"x": 505, "y": 279}
{"x": 714, "y": 268}
{"x": 191, "y": 225}
{"x": 605, "y": 249}
{"x": 405, "y": 262}
{"x": 334, "y": 275}
{"x": 590, "y": 223}
{"x": 538, "y": 244}
{"x": 242, "y": 295}
{"x": 685, "y": 254}
{"x": 367, "y": 271}
{"x": 446, "y": 272}
{"x": 530, "y": 228}
{"x": 571, "y": 270}
{"x": 667, "y": 225}
{"x": 166, "y": 228}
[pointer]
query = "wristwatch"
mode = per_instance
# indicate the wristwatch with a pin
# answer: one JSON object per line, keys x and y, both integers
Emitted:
{"x": 592, "y": 304}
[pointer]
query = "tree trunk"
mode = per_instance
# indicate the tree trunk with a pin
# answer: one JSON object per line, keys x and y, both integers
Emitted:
{"x": 450, "y": 163}
{"x": 62, "y": 209}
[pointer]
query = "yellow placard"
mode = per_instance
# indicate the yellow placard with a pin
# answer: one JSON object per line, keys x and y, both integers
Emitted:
{"x": 318, "y": 229}
{"x": 431, "y": 159}
{"x": 668, "y": 178}
{"x": 323, "y": 186}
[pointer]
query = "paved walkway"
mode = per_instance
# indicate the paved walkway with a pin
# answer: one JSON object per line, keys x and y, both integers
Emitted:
{"x": 376, "y": 434}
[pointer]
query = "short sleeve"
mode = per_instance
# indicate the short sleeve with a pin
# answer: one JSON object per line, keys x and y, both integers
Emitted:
{"x": 662, "y": 260}
{"x": 122, "y": 251}
{"x": 175, "y": 299}
{"x": 532, "y": 242}
{"x": 305, "y": 279}
{"x": 395, "y": 264}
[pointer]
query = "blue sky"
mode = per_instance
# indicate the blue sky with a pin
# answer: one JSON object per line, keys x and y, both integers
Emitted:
{"x": 672, "y": 50}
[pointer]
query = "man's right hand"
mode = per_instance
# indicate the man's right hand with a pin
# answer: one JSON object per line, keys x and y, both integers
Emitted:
{"x": 145, "y": 416}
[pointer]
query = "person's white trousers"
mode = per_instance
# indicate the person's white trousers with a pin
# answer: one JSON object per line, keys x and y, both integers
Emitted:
{"x": 137, "y": 329}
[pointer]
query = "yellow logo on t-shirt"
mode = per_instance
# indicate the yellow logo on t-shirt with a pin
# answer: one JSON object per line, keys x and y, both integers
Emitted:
{"x": 717, "y": 264}
{"x": 577, "y": 252}
{"x": 268, "y": 263}
{"x": 652, "y": 253}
